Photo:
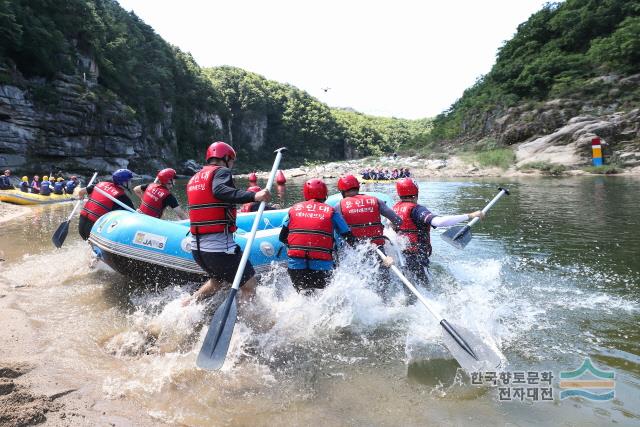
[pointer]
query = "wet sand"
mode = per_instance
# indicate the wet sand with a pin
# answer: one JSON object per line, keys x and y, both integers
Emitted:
{"x": 35, "y": 388}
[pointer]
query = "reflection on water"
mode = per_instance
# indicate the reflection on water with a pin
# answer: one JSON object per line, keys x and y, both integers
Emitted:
{"x": 551, "y": 276}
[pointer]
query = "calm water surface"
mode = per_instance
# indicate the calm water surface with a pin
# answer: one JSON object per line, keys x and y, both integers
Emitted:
{"x": 551, "y": 276}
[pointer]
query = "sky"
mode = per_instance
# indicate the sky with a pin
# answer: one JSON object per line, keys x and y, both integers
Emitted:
{"x": 403, "y": 58}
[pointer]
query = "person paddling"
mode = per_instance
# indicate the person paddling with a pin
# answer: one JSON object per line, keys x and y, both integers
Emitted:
{"x": 45, "y": 186}
{"x": 363, "y": 213}
{"x": 253, "y": 206}
{"x": 98, "y": 204}
{"x": 212, "y": 198}
{"x": 308, "y": 231}
{"x": 157, "y": 196}
{"x": 417, "y": 222}
{"x": 58, "y": 187}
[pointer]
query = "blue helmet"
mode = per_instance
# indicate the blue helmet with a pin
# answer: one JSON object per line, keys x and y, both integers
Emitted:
{"x": 121, "y": 176}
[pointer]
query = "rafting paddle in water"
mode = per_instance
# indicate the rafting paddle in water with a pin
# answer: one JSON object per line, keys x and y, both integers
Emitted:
{"x": 216, "y": 342}
{"x": 61, "y": 233}
{"x": 460, "y": 236}
{"x": 471, "y": 353}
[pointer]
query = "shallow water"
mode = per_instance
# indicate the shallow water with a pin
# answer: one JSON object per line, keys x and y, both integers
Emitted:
{"x": 551, "y": 276}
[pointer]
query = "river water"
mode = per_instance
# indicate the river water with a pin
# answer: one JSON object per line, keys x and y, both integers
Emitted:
{"x": 552, "y": 276}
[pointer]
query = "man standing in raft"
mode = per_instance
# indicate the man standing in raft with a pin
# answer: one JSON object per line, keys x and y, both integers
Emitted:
{"x": 212, "y": 199}
{"x": 99, "y": 204}
{"x": 417, "y": 221}
{"x": 308, "y": 232}
{"x": 156, "y": 197}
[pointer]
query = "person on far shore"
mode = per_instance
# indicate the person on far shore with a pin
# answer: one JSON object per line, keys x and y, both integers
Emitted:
{"x": 5, "y": 181}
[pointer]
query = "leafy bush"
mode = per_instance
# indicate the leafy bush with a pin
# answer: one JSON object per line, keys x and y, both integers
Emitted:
{"x": 545, "y": 167}
{"x": 604, "y": 169}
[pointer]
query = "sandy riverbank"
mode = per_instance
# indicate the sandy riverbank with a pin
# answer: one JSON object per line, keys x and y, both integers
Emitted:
{"x": 451, "y": 167}
{"x": 35, "y": 388}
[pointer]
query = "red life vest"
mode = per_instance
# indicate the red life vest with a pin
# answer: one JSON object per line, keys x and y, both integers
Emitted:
{"x": 310, "y": 231}
{"x": 418, "y": 239}
{"x": 153, "y": 200}
{"x": 207, "y": 213}
{"x": 99, "y": 204}
{"x": 362, "y": 213}
{"x": 246, "y": 207}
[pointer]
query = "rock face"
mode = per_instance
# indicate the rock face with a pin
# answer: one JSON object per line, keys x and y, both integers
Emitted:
{"x": 73, "y": 124}
{"x": 560, "y": 130}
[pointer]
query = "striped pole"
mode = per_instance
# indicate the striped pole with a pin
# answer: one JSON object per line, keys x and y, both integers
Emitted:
{"x": 596, "y": 148}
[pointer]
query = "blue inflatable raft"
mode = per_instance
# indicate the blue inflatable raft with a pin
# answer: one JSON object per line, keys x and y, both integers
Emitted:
{"x": 149, "y": 249}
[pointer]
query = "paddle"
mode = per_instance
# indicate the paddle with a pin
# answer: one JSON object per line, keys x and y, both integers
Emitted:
{"x": 471, "y": 353}
{"x": 61, "y": 233}
{"x": 460, "y": 236}
{"x": 114, "y": 200}
{"x": 216, "y": 342}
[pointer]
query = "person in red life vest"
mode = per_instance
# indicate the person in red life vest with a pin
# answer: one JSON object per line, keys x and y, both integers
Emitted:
{"x": 417, "y": 222}
{"x": 99, "y": 204}
{"x": 363, "y": 215}
{"x": 157, "y": 196}
{"x": 212, "y": 199}
{"x": 254, "y": 206}
{"x": 308, "y": 232}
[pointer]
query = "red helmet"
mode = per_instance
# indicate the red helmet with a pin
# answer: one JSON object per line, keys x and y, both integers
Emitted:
{"x": 348, "y": 182}
{"x": 254, "y": 189}
{"x": 315, "y": 189}
{"x": 406, "y": 187}
{"x": 220, "y": 150}
{"x": 166, "y": 175}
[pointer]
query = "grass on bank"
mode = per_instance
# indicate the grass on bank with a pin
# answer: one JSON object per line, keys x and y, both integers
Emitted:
{"x": 498, "y": 157}
{"x": 547, "y": 168}
{"x": 604, "y": 169}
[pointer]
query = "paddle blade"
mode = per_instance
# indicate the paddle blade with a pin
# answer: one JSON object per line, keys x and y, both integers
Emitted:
{"x": 457, "y": 237}
{"x": 216, "y": 342}
{"x": 460, "y": 340}
{"x": 60, "y": 234}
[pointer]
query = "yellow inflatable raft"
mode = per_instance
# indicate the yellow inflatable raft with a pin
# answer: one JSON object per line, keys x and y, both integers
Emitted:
{"x": 18, "y": 197}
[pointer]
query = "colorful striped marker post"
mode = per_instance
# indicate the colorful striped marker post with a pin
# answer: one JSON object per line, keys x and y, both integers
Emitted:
{"x": 596, "y": 148}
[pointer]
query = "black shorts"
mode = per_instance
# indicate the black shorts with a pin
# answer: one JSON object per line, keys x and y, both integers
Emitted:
{"x": 305, "y": 279}
{"x": 222, "y": 267}
{"x": 84, "y": 227}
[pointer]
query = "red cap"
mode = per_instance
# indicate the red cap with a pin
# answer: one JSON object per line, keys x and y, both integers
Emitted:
{"x": 220, "y": 150}
{"x": 315, "y": 189}
{"x": 406, "y": 187}
{"x": 348, "y": 182}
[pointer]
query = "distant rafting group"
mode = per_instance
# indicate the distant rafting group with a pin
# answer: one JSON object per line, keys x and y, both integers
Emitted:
{"x": 379, "y": 174}
{"x": 45, "y": 187}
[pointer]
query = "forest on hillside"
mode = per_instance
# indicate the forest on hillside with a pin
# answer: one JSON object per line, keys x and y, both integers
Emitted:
{"x": 556, "y": 53}
{"x": 41, "y": 39}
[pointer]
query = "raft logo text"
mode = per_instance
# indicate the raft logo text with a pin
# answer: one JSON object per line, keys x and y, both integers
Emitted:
{"x": 150, "y": 240}
{"x": 537, "y": 385}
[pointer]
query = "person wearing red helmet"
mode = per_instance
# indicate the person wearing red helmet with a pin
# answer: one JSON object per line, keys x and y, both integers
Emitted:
{"x": 157, "y": 196}
{"x": 363, "y": 213}
{"x": 212, "y": 198}
{"x": 254, "y": 206}
{"x": 417, "y": 222}
{"x": 98, "y": 204}
{"x": 308, "y": 232}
